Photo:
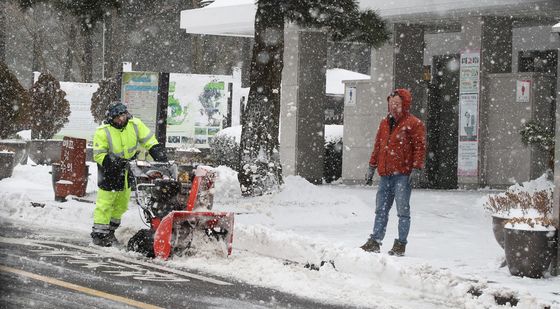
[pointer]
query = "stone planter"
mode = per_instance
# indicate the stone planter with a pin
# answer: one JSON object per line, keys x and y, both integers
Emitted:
{"x": 45, "y": 151}
{"x": 188, "y": 156}
{"x": 529, "y": 252}
{"x": 18, "y": 147}
{"x": 498, "y": 224}
{"x": 6, "y": 164}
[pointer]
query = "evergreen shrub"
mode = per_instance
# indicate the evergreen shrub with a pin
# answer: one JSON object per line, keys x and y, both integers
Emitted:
{"x": 13, "y": 100}
{"x": 49, "y": 110}
{"x": 107, "y": 92}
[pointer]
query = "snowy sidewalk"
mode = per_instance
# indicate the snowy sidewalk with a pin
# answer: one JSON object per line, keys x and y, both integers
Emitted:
{"x": 451, "y": 246}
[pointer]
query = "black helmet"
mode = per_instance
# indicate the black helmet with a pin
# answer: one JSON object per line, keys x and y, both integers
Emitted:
{"x": 115, "y": 109}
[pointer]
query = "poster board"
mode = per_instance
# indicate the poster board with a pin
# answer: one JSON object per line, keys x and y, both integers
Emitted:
{"x": 139, "y": 92}
{"x": 469, "y": 95}
{"x": 196, "y": 109}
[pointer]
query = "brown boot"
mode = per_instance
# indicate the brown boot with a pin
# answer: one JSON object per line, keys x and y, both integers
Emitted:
{"x": 371, "y": 246}
{"x": 398, "y": 248}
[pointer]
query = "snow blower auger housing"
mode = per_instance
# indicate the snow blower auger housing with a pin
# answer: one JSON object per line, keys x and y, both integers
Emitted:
{"x": 176, "y": 202}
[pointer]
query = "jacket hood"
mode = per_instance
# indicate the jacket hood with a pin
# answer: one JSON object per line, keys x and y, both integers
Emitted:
{"x": 406, "y": 98}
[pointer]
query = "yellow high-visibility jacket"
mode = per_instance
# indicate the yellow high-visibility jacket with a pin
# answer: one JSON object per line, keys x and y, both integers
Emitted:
{"x": 123, "y": 143}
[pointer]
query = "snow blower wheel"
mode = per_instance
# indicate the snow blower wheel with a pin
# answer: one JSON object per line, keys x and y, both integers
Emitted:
{"x": 142, "y": 242}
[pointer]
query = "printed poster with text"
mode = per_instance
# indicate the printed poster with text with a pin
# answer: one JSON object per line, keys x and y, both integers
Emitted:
{"x": 197, "y": 105}
{"x": 469, "y": 90}
{"x": 140, "y": 95}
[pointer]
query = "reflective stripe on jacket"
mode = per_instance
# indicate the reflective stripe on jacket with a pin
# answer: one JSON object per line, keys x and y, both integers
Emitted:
{"x": 400, "y": 150}
{"x": 122, "y": 143}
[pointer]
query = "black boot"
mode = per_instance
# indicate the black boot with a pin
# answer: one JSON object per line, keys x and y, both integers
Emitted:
{"x": 101, "y": 239}
{"x": 113, "y": 226}
{"x": 398, "y": 248}
{"x": 371, "y": 246}
{"x": 111, "y": 238}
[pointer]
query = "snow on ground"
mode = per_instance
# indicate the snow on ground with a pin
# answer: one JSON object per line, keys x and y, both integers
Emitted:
{"x": 451, "y": 246}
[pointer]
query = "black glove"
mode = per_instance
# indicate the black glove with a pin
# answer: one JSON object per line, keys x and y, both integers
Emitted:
{"x": 369, "y": 175}
{"x": 158, "y": 153}
{"x": 111, "y": 161}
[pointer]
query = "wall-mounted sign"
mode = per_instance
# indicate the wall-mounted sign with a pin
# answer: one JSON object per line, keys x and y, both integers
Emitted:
{"x": 140, "y": 95}
{"x": 469, "y": 90}
{"x": 350, "y": 96}
{"x": 523, "y": 91}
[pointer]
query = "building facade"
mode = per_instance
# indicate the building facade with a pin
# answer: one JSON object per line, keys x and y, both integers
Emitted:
{"x": 473, "y": 111}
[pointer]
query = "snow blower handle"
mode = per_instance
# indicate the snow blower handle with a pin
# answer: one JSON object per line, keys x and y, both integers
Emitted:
{"x": 120, "y": 163}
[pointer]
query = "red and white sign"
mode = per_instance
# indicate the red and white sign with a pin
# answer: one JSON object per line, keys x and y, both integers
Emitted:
{"x": 523, "y": 91}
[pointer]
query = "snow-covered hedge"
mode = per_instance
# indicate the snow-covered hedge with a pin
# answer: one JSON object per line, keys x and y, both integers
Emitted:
{"x": 224, "y": 147}
{"x": 224, "y": 150}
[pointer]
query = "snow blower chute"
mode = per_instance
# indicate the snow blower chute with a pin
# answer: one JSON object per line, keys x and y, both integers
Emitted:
{"x": 177, "y": 203}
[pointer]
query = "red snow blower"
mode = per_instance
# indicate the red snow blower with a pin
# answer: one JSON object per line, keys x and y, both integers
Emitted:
{"x": 176, "y": 202}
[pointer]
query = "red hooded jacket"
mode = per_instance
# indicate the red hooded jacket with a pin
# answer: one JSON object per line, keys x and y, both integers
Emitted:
{"x": 402, "y": 149}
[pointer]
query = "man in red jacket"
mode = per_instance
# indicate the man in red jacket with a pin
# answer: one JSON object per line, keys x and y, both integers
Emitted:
{"x": 398, "y": 154}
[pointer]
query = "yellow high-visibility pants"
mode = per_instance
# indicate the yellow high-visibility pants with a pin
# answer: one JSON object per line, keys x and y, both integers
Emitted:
{"x": 110, "y": 205}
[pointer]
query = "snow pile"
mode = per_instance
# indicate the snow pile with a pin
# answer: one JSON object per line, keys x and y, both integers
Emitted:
{"x": 281, "y": 240}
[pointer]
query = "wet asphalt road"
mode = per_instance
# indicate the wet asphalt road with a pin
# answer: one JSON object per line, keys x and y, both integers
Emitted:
{"x": 38, "y": 271}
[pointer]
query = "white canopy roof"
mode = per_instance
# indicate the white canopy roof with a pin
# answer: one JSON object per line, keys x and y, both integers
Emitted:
{"x": 556, "y": 28}
{"x": 237, "y": 17}
{"x": 335, "y": 78}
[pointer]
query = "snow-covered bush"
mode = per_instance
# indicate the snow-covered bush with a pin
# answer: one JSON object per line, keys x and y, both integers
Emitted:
{"x": 107, "y": 92}
{"x": 535, "y": 134}
{"x": 13, "y": 99}
{"x": 224, "y": 150}
{"x": 49, "y": 110}
{"x": 332, "y": 163}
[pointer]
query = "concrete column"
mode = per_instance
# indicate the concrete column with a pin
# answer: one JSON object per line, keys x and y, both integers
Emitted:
{"x": 556, "y": 209}
{"x": 302, "y": 111}
{"x": 362, "y": 119}
{"x": 492, "y": 36}
{"x": 409, "y": 64}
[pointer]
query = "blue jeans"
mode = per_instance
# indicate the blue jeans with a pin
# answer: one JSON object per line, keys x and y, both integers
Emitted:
{"x": 392, "y": 188}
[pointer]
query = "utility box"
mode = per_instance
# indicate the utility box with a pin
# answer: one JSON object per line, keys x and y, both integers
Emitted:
{"x": 73, "y": 174}
{"x": 512, "y": 100}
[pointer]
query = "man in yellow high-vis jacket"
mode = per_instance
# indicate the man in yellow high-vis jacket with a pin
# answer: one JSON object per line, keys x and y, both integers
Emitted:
{"x": 114, "y": 144}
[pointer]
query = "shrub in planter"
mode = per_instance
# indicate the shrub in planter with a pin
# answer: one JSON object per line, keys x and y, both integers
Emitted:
{"x": 530, "y": 245}
{"x": 525, "y": 229}
{"x": 518, "y": 202}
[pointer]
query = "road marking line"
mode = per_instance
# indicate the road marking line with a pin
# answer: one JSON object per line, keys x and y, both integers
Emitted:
{"x": 78, "y": 288}
{"x": 30, "y": 242}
